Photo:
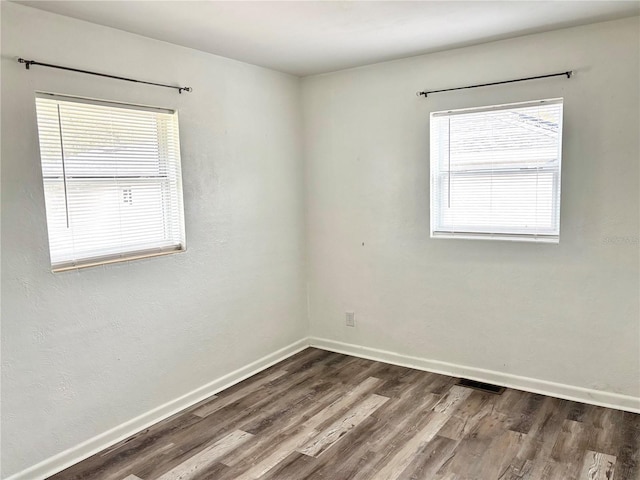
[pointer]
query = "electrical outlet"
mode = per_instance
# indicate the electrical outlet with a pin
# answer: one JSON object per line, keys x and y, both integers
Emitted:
{"x": 350, "y": 319}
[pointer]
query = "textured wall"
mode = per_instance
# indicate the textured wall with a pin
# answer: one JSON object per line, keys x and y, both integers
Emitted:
{"x": 85, "y": 351}
{"x": 565, "y": 313}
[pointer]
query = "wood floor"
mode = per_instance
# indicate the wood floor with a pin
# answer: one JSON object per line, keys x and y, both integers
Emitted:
{"x": 322, "y": 415}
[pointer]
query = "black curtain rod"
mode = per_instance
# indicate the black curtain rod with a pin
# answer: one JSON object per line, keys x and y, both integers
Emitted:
{"x": 427, "y": 92}
{"x": 28, "y": 63}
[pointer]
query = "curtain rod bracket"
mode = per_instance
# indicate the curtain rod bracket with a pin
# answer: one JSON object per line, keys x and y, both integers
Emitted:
{"x": 28, "y": 63}
{"x": 425, "y": 93}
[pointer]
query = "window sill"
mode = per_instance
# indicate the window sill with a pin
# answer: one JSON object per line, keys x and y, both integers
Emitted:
{"x": 118, "y": 258}
{"x": 509, "y": 237}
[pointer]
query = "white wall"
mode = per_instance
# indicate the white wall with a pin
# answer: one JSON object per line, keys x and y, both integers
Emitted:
{"x": 85, "y": 351}
{"x": 565, "y": 313}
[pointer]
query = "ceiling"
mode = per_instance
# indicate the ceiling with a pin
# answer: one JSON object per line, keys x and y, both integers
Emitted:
{"x": 310, "y": 37}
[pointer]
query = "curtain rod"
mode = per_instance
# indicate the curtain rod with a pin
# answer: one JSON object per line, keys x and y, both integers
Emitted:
{"x": 427, "y": 92}
{"x": 28, "y": 63}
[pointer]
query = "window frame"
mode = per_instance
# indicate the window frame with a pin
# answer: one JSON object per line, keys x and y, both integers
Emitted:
{"x": 163, "y": 182}
{"x": 551, "y": 235}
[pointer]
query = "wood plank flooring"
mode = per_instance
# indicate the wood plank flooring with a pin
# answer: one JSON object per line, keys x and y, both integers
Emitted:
{"x": 322, "y": 415}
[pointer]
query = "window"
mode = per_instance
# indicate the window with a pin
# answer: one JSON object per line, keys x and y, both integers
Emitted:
{"x": 112, "y": 183}
{"x": 495, "y": 172}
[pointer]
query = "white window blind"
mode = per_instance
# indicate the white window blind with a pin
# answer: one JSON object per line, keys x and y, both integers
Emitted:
{"x": 112, "y": 181}
{"x": 495, "y": 172}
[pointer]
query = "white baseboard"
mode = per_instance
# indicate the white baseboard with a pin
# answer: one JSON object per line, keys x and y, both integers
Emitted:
{"x": 534, "y": 385}
{"x": 65, "y": 459}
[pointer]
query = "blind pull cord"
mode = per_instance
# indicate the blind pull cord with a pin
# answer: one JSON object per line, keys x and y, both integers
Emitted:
{"x": 64, "y": 170}
{"x": 449, "y": 161}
